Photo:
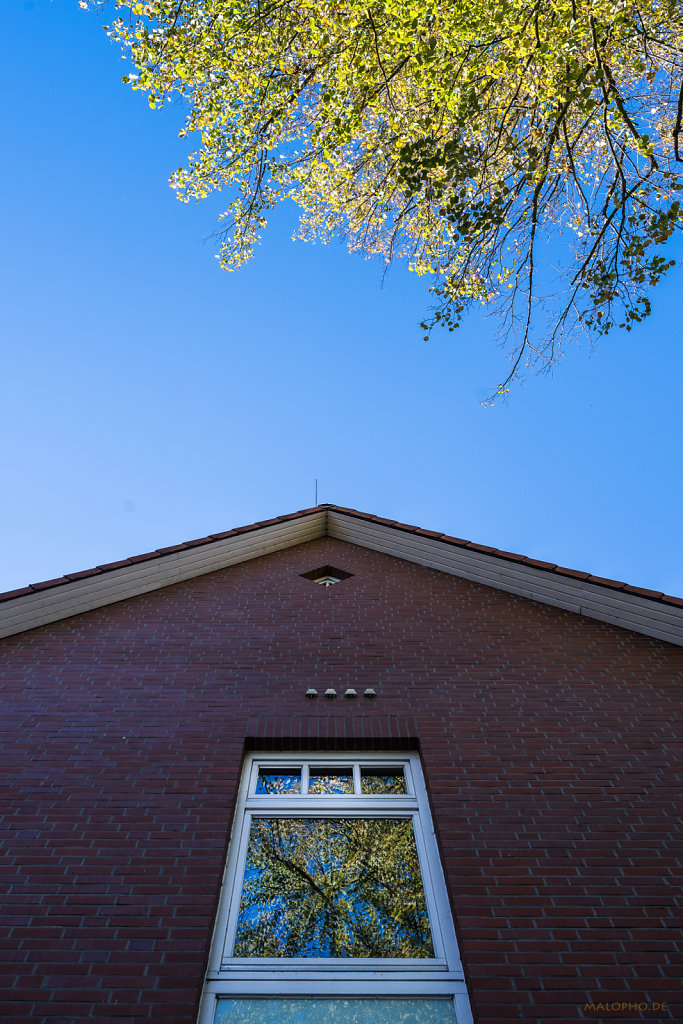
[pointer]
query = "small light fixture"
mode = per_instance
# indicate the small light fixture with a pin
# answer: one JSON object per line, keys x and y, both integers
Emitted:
{"x": 330, "y": 694}
{"x": 350, "y": 692}
{"x": 311, "y": 693}
{"x": 370, "y": 693}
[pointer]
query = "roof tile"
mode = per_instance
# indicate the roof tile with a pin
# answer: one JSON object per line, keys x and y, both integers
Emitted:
{"x": 20, "y": 592}
{"x": 108, "y": 566}
{"x": 574, "y": 573}
{"x": 354, "y": 512}
{"x": 459, "y": 542}
{"x": 46, "y": 584}
{"x": 84, "y": 574}
{"x": 286, "y": 519}
{"x": 537, "y": 563}
{"x": 406, "y": 528}
{"x": 483, "y": 548}
{"x": 509, "y": 555}
{"x": 605, "y": 582}
{"x": 197, "y": 543}
{"x": 145, "y": 557}
{"x": 642, "y": 592}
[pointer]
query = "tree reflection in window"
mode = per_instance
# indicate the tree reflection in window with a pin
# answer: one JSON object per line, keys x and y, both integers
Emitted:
{"x": 385, "y": 780}
{"x": 278, "y": 781}
{"x": 331, "y": 887}
{"x": 333, "y": 781}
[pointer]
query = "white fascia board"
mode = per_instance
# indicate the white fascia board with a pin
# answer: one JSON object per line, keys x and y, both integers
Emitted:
{"x": 629, "y": 611}
{"x": 37, "y": 609}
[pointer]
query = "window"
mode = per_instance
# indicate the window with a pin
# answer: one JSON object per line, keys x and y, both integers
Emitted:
{"x": 333, "y": 908}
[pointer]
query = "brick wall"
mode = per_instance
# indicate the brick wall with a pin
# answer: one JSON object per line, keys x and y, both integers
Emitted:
{"x": 548, "y": 744}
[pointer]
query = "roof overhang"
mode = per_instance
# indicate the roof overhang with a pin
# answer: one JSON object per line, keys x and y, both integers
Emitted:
{"x": 647, "y": 612}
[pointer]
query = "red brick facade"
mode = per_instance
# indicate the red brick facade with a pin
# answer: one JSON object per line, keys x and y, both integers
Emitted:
{"x": 548, "y": 746}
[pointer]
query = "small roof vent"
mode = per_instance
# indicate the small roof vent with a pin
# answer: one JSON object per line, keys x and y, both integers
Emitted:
{"x": 326, "y": 575}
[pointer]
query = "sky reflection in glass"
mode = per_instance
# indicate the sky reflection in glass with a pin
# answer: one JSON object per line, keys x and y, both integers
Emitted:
{"x": 278, "y": 781}
{"x": 331, "y": 887}
{"x": 335, "y": 1011}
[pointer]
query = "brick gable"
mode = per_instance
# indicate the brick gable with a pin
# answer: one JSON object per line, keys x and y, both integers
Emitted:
{"x": 547, "y": 742}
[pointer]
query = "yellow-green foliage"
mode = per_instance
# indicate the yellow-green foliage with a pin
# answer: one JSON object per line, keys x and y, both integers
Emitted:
{"x": 460, "y": 135}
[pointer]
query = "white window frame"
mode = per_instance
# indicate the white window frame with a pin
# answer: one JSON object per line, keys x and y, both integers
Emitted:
{"x": 237, "y": 977}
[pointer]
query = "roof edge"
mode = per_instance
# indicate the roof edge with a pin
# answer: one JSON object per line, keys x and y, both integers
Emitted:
{"x": 80, "y": 592}
{"x": 98, "y": 570}
{"x": 632, "y": 608}
{"x": 646, "y": 611}
{"x": 511, "y": 556}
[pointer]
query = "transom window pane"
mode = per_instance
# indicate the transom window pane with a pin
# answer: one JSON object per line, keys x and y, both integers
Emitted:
{"x": 361, "y": 779}
{"x": 332, "y": 887}
{"x": 332, "y": 780}
{"x": 278, "y": 781}
{"x": 335, "y": 1011}
{"x": 382, "y": 779}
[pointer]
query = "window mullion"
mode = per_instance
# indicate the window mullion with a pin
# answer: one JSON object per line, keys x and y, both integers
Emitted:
{"x": 316, "y": 973}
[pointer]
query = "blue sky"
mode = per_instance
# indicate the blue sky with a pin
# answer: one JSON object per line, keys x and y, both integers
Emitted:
{"x": 147, "y": 397}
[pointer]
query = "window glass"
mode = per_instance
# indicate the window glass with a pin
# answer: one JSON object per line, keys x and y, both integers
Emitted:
{"x": 335, "y": 1011}
{"x": 334, "y": 908}
{"x": 332, "y": 887}
{"x": 382, "y": 779}
{"x": 331, "y": 780}
{"x": 278, "y": 781}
